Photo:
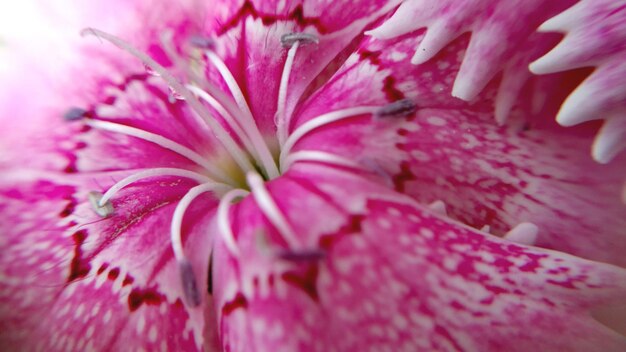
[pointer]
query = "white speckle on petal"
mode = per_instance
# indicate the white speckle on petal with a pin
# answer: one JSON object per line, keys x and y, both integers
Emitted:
{"x": 141, "y": 324}
{"x": 152, "y": 334}
{"x": 107, "y": 316}
{"x": 436, "y": 121}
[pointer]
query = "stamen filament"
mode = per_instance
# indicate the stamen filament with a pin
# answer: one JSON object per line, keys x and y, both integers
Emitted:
{"x": 165, "y": 171}
{"x": 223, "y": 222}
{"x": 232, "y": 84}
{"x": 225, "y": 114}
{"x": 179, "y": 213}
{"x": 320, "y": 121}
{"x": 317, "y": 156}
{"x": 217, "y": 129}
{"x": 188, "y": 279}
{"x": 270, "y": 209}
{"x": 163, "y": 142}
{"x": 282, "y": 120}
{"x": 249, "y": 124}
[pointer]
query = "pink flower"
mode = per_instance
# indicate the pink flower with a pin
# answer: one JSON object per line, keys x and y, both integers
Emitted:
{"x": 271, "y": 175}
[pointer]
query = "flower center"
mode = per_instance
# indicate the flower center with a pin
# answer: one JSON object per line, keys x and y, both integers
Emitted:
{"x": 245, "y": 145}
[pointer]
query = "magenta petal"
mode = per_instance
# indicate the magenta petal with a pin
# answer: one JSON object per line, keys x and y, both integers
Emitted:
{"x": 380, "y": 252}
{"x": 427, "y": 284}
{"x": 249, "y": 42}
{"x": 497, "y": 27}
{"x": 89, "y": 277}
{"x": 595, "y": 36}
{"x": 529, "y": 170}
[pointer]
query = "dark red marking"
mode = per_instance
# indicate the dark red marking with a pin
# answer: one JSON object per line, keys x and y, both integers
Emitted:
{"x": 353, "y": 226}
{"x": 128, "y": 280}
{"x": 209, "y": 284}
{"x": 109, "y": 100}
{"x": 114, "y": 273}
{"x": 305, "y": 281}
{"x": 137, "y": 297}
{"x": 239, "y": 301}
{"x": 102, "y": 268}
{"x": 69, "y": 208}
{"x": 403, "y": 132}
{"x": 71, "y": 165}
{"x": 402, "y": 177}
{"x": 389, "y": 87}
{"x": 297, "y": 15}
{"x": 371, "y": 56}
{"x": 79, "y": 267}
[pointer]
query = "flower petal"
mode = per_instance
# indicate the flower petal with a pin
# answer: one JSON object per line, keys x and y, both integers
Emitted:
{"x": 497, "y": 28}
{"x": 249, "y": 41}
{"x": 394, "y": 276}
{"x": 530, "y": 170}
{"x": 91, "y": 277}
{"x": 596, "y": 33}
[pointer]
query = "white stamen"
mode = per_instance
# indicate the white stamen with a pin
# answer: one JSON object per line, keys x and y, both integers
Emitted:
{"x": 223, "y": 222}
{"x": 151, "y": 173}
{"x": 225, "y": 114}
{"x": 293, "y": 42}
{"x": 254, "y": 143}
{"x": 232, "y": 84}
{"x": 179, "y": 212}
{"x": 270, "y": 209}
{"x": 523, "y": 233}
{"x": 317, "y": 156}
{"x": 282, "y": 120}
{"x": 102, "y": 208}
{"x": 221, "y": 134}
{"x": 188, "y": 278}
{"x": 249, "y": 124}
{"x": 163, "y": 142}
{"x": 320, "y": 121}
{"x": 439, "y": 207}
{"x": 486, "y": 228}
